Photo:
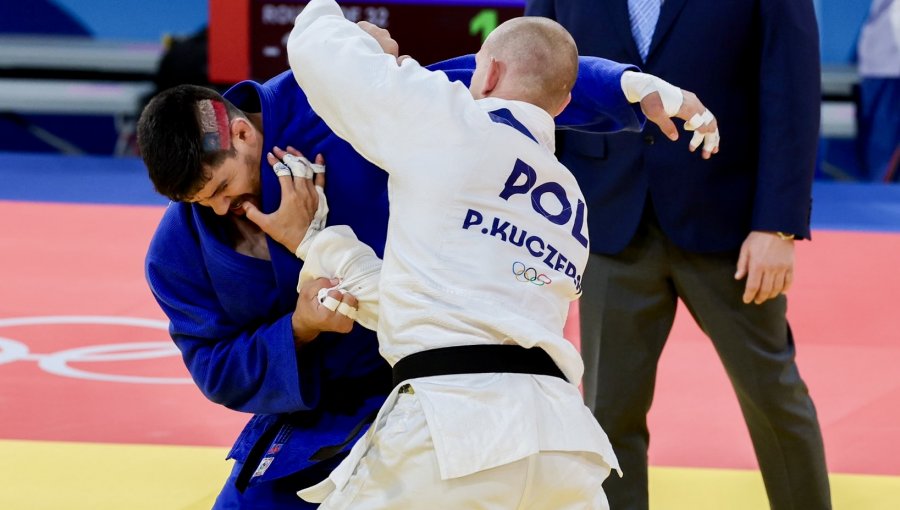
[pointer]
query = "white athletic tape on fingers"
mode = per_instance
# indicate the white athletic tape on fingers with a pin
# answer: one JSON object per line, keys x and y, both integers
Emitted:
{"x": 281, "y": 169}
{"x": 330, "y": 303}
{"x": 694, "y": 123}
{"x": 303, "y": 167}
{"x": 637, "y": 86}
{"x": 696, "y": 140}
{"x": 709, "y": 140}
{"x": 347, "y": 310}
{"x": 712, "y": 141}
{"x": 336, "y": 306}
{"x": 299, "y": 166}
{"x": 699, "y": 120}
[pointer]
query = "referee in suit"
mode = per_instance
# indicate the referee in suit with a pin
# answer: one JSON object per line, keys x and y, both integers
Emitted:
{"x": 718, "y": 233}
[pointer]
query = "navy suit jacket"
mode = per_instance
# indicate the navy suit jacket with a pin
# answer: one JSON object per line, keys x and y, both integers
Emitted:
{"x": 755, "y": 65}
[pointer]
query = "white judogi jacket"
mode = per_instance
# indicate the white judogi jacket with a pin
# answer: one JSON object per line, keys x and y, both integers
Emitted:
{"x": 487, "y": 242}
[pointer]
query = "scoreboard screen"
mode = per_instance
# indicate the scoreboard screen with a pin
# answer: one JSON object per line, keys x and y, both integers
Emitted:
{"x": 248, "y": 39}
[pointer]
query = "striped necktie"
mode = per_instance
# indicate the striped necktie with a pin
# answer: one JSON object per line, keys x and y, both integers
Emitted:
{"x": 644, "y": 15}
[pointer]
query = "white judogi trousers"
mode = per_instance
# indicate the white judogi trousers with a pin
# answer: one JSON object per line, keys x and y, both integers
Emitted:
{"x": 400, "y": 472}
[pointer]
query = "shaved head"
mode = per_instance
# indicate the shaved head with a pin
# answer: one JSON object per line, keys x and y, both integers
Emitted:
{"x": 540, "y": 59}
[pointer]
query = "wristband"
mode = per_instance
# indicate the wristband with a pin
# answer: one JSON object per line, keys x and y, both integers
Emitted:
{"x": 637, "y": 86}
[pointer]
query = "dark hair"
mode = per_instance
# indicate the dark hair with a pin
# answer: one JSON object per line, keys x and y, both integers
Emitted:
{"x": 171, "y": 143}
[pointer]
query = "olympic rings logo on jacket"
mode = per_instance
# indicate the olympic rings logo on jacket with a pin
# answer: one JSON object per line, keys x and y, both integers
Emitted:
{"x": 524, "y": 273}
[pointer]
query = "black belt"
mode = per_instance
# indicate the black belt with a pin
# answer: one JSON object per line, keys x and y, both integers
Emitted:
{"x": 464, "y": 359}
{"x": 476, "y": 359}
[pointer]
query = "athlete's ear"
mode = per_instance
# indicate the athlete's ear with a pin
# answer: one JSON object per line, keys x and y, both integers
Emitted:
{"x": 243, "y": 130}
{"x": 564, "y": 104}
{"x": 491, "y": 77}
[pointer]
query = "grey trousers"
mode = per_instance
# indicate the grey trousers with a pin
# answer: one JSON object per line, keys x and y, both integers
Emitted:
{"x": 627, "y": 310}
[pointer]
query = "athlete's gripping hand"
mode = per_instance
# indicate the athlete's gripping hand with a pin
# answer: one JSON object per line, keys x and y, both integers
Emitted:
{"x": 302, "y": 208}
{"x": 660, "y": 101}
{"x": 313, "y": 316}
{"x": 702, "y": 122}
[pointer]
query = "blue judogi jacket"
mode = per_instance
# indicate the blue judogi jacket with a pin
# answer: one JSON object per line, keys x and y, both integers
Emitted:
{"x": 231, "y": 314}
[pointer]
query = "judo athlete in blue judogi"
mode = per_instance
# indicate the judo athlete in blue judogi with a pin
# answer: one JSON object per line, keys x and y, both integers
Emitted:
{"x": 249, "y": 340}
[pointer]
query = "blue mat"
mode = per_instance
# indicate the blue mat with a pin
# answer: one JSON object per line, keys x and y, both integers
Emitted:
{"x": 105, "y": 180}
{"x": 79, "y": 179}
{"x": 850, "y": 206}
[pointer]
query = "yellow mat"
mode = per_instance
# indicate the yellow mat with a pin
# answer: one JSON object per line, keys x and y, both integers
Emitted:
{"x": 37, "y": 475}
{"x": 718, "y": 489}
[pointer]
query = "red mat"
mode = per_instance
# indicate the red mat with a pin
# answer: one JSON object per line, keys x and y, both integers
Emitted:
{"x": 843, "y": 315}
{"x": 87, "y": 261}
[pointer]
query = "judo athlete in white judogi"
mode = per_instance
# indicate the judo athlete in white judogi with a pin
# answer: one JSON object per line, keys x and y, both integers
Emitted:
{"x": 486, "y": 247}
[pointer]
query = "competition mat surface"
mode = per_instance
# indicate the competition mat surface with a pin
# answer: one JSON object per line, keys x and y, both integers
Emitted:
{"x": 97, "y": 411}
